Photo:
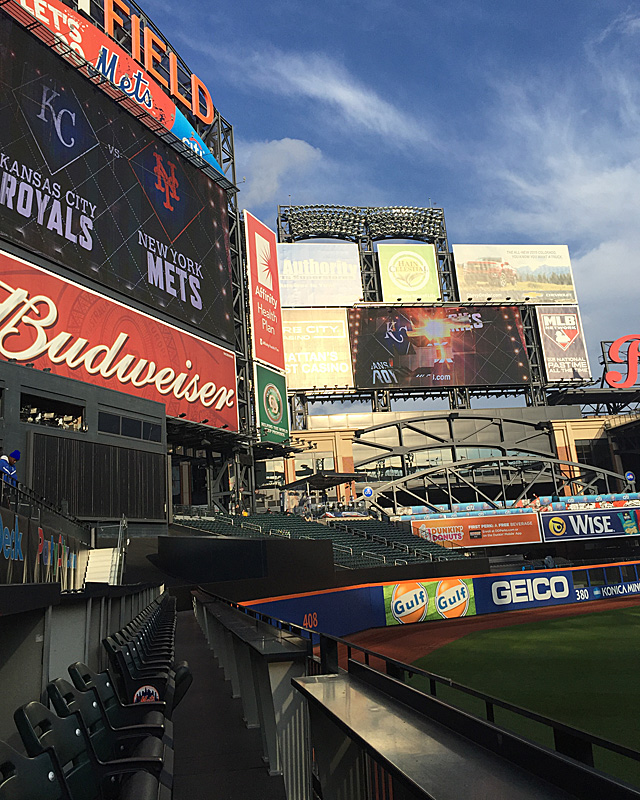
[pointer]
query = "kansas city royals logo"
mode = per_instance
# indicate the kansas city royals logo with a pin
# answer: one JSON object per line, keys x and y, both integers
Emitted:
{"x": 166, "y": 182}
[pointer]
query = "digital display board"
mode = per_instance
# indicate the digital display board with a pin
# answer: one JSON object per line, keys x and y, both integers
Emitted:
{"x": 85, "y": 185}
{"x": 77, "y": 333}
{"x": 264, "y": 290}
{"x": 409, "y": 273}
{"x": 316, "y": 348}
{"x": 121, "y": 69}
{"x": 593, "y": 524}
{"x": 486, "y": 531}
{"x": 563, "y": 344}
{"x": 438, "y": 347}
{"x": 319, "y": 274}
{"x": 516, "y": 273}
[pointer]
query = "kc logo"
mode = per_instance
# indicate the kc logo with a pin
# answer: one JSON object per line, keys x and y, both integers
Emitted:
{"x": 167, "y": 183}
{"x": 48, "y": 96}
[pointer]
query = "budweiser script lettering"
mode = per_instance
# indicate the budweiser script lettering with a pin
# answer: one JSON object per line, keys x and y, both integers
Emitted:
{"x": 631, "y": 357}
{"x": 29, "y": 319}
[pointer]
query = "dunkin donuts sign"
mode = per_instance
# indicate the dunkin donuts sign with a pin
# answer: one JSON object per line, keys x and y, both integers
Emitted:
{"x": 420, "y": 601}
{"x": 77, "y": 333}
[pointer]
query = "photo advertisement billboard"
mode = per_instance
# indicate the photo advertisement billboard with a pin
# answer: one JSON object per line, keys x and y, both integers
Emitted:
{"x": 85, "y": 185}
{"x": 489, "y": 531}
{"x": 118, "y": 66}
{"x": 409, "y": 273}
{"x": 316, "y": 348}
{"x": 272, "y": 410}
{"x": 266, "y": 311}
{"x": 318, "y": 274}
{"x": 75, "y": 332}
{"x": 438, "y": 347}
{"x": 563, "y": 344}
{"x": 516, "y": 273}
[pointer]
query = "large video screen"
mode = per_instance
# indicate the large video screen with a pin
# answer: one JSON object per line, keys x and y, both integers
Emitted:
{"x": 319, "y": 274}
{"x": 563, "y": 343}
{"x": 84, "y": 184}
{"x": 316, "y": 348}
{"x": 438, "y": 347}
{"x": 516, "y": 273}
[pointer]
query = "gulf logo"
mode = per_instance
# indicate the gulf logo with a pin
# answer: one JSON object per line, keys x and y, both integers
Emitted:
{"x": 452, "y": 598}
{"x": 409, "y": 602}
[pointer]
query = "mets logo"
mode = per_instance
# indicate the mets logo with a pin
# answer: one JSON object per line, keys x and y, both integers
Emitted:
{"x": 146, "y": 694}
{"x": 409, "y": 602}
{"x": 557, "y": 526}
{"x": 166, "y": 182}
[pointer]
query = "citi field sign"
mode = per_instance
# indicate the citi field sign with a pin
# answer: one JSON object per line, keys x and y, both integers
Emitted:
{"x": 148, "y": 72}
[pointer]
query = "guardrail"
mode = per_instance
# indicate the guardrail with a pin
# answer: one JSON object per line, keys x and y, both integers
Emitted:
{"x": 333, "y": 655}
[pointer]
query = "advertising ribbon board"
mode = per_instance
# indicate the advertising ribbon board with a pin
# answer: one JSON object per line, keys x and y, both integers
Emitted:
{"x": 75, "y": 332}
{"x": 112, "y": 62}
{"x": 316, "y": 348}
{"x": 264, "y": 288}
{"x": 519, "y": 591}
{"x": 85, "y": 185}
{"x": 422, "y": 601}
{"x": 271, "y": 405}
{"x": 409, "y": 273}
{"x": 596, "y": 524}
{"x": 437, "y": 347}
{"x": 479, "y": 531}
{"x": 516, "y": 273}
{"x": 608, "y": 592}
{"x": 319, "y": 274}
{"x": 563, "y": 345}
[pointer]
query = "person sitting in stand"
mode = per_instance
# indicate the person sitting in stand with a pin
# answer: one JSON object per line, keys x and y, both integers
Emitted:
{"x": 8, "y": 470}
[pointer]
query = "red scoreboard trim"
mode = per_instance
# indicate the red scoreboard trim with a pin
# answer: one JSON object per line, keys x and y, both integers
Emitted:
{"x": 77, "y": 333}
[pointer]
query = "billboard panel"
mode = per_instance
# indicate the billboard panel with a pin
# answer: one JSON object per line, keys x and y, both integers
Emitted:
{"x": 409, "y": 273}
{"x": 486, "y": 531}
{"x": 55, "y": 324}
{"x": 423, "y": 601}
{"x": 264, "y": 289}
{"x": 85, "y": 185}
{"x": 437, "y": 347}
{"x": 519, "y": 273}
{"x": 316, "y": 348}
{"x": 272, "y": 411}
{"x": 518, "y": 592}
{"x": 600, "y": 523}
{"x": 563, "y": 345}
{"x": 119, "y": 68}
{"x": 317, "y": 274}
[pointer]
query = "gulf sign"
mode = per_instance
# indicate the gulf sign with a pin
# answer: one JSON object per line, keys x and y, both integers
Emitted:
{"x": 419, "y": 601}
{"x": 595, "y": 524}
{"x": 486, "y": 531}
{"x": 515, "y": 591}
{"x": 264, "y": 288}
{"x": 153, "y": 88}
{"x": 77, "y": 333}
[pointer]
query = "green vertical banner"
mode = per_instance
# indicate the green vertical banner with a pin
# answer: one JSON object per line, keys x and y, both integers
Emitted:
{"x": 409, "y": 273}
{"x": 422, "y": 601}
{"x": 271, "y": 405}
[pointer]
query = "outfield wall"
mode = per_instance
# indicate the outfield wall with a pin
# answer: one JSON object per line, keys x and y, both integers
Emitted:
{"x": 339, "y": 612}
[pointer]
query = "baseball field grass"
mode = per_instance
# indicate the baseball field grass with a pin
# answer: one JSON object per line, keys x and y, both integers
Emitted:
{"x": 583, "y": 671}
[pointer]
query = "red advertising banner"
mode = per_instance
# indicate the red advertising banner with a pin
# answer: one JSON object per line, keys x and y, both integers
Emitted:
{"x": 77, "y": 333}
{"x": 264, "y": 287}
{"x": 486, "y": 531}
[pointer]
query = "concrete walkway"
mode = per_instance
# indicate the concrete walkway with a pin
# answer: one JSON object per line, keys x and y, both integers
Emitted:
{"x": 216, "y": 756}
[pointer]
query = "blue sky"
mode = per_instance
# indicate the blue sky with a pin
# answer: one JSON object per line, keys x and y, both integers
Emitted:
{"x": 521, "y": 120}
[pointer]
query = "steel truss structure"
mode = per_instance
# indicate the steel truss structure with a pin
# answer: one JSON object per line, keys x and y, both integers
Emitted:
{"x": 364, "y": 226}
{"x": 495, "y": 481}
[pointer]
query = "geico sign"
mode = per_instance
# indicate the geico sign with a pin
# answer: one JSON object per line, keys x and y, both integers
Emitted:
{"x": 525, "y": 590}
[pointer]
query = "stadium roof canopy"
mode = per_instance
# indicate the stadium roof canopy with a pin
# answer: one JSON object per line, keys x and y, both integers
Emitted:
{"x": 323, "y": 480}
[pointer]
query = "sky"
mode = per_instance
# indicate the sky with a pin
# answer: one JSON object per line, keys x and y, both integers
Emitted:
{"x": 521, "y": 120}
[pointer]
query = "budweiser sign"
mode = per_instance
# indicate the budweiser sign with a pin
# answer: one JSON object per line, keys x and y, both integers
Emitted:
{"x": 625, "y": 350}
{"x": 77, "y": 333}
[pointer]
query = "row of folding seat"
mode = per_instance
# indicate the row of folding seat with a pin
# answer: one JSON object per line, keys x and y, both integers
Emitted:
{"x": 108, "y": 735}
